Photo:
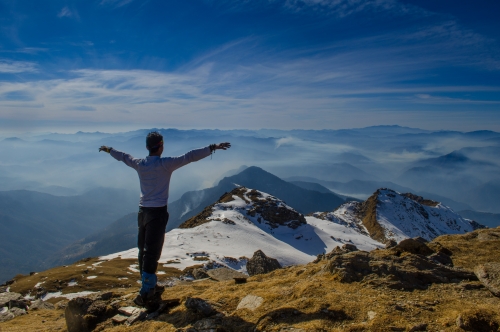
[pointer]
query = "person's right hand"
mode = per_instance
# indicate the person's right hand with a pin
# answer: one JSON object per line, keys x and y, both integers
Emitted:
{"x": 222, "y": 146}
{"x": 105, "y": 148}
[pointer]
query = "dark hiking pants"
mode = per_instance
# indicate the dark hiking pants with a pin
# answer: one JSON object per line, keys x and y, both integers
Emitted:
{"x": 152, "y": 222}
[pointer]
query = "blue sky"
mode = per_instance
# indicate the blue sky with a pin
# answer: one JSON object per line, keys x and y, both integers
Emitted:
{"x": 315, "y": 64}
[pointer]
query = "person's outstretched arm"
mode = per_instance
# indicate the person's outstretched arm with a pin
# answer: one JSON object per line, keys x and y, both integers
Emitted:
{"x": 174, "y": 163}
{"x": 121, "y": 156}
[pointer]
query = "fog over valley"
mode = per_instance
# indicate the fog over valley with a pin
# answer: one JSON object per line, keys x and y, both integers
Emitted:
{"x": 312, "y": 170}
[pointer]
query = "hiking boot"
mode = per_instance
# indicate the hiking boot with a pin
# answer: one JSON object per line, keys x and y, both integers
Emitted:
{"x": 139, "y": 301}
{"x": 159, "y": 289}
{"x": 150, "y": 304}
{"x": 151, "y": 299}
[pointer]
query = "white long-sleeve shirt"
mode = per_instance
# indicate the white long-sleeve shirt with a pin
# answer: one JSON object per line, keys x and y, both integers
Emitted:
{"x": 155, "y": 172}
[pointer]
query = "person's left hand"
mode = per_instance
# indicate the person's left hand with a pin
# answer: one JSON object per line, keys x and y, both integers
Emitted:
{"x": 105, "y": 148}
{"x": 223, "y": 146}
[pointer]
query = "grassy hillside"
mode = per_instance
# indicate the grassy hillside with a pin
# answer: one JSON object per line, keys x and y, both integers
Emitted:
{"x": 299, "y": 298}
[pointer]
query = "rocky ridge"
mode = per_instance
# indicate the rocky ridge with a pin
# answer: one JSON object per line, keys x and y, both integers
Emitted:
{"x": 388, "y": 215}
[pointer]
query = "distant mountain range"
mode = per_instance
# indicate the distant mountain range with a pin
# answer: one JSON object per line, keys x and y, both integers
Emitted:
{"x": 35, "y": 225}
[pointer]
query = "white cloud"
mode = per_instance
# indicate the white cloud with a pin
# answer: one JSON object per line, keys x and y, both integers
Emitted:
{"x": 10, "y": 67}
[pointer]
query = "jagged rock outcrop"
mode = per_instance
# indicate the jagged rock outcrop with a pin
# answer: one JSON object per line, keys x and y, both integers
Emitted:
{"x": 265, "y": 208}
{"x": 409, "y": 265}
{"x": 388, "y": 217}
{"x": 260, "y": 264}
{"x": 489, "y": 275}
{"x": 84, "y": 313}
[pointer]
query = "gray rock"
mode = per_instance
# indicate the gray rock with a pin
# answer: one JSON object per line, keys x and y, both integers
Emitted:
{"x": 6, "y": 316}
{"x": 224, "y": 274}
{"x": 250, "y": 302}
{"x": 6, "y": 297}
{"x": 140, "y": 315}
{"x": 418, "y": 327}
{"x": 260, "y": 264}
{"x": 397, "y": 272}
{"x": 207, "y": 325}
{"x": 349, "y": 247}
{"x": 200, "y": 273}
{"x": 84, "y": 313}
{"x": 390, "y": 243}
{"x": 441, "y": 258}
{"x": 61, "y": 304}
{"x": 414, "y": 246}
{"x": 199, "y": 305}
{"x": 17, "y": 311}
{"x": 119, "y": 319}
{"x": 39, "y": 305}
{"x": 489, "y": 275}
{"x": 129, "y": 311}
{"x": 20, "y": 303}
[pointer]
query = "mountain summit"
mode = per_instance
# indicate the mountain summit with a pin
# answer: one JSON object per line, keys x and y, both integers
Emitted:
{"x": 389, "y": 215}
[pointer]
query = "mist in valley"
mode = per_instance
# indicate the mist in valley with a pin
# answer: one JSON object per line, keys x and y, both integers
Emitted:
{"x": 455, "y": 165}
{"x": 309, "y": 169}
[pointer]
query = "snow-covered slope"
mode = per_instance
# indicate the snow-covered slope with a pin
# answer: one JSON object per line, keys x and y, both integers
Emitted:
{"x": 389, "y": 215}
{"x": 246, "y": 220}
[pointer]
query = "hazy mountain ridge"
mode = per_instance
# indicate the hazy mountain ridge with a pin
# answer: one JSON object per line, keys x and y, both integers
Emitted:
{"x": 36, "y": 225}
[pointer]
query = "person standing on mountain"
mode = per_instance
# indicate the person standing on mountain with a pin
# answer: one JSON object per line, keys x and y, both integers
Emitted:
{"x": 154, "y": 175}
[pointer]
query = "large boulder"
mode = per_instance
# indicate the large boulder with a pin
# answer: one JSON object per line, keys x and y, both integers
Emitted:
{"x": 200, "y": 306}
{"x": 200, "y": 273}
{"x": 379, "y": 268}
{"x": 489, "y": 275}
{"x": 260, "y": 264}
{"x": 84, "y": 313}
{"x": 224, "y": 274}
{"x": 41, "y": 305}
{"x": 5, "y": 298}
{"x": 415, "y": 246}
{"x": 477, "y": 320}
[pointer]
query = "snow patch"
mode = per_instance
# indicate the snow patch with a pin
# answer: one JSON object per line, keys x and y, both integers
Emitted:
{"x": 134, "y": 267}
{"x": 68, "y": 296}
{"x": 91, "y": 277}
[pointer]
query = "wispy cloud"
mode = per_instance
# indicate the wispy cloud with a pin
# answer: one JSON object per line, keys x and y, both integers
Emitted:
{"x": 67, "y": 12}
{"x": 11, "y": 67}
{"x": 116, "y": 3}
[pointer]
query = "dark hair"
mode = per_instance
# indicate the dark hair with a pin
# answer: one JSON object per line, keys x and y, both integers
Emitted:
{"x": 154, "y": 141}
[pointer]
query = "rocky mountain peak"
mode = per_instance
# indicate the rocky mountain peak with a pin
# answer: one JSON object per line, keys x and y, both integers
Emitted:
{"x": 388, "y": 215}
{"x": 265, "y": 208}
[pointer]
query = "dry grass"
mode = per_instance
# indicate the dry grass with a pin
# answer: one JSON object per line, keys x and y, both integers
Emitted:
{"x": 305, "y": 298}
